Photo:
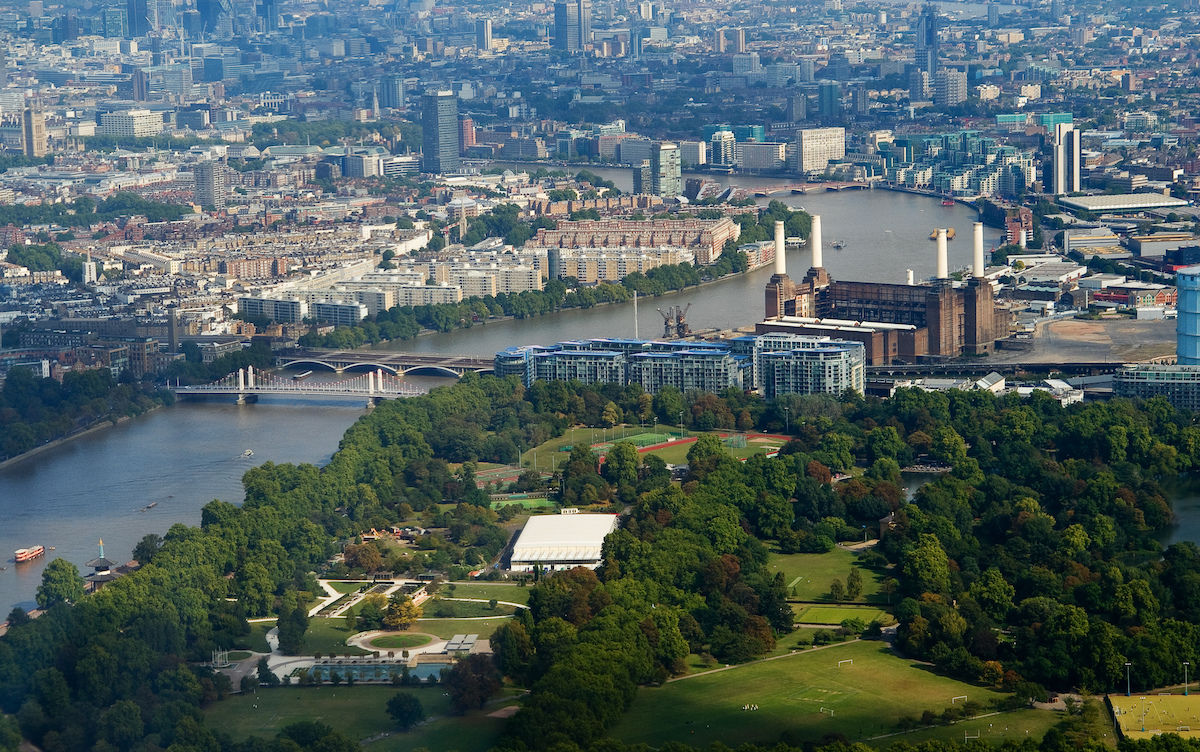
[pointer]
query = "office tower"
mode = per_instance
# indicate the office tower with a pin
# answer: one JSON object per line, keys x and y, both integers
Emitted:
{"x": 719, "y": 41}
{"x": 1064, "y": 161}
{"x": 643, "y": 181}
{"x": 439, "y": 132}
{"x": 950, "y": 87}
{"x": 216, "y": 17}
{"x": 918, "y": 86}
{"x": 862, "y": 100}
{"x": 268, "y": 14}
{"x": 927, "y": 39}
{"x": 211, "y": 184}
{"x": 815, "y": 147}
{"x": 723, "y": 147}
{"x": 739, "y": 40}
{"x": 137, "y": 21}
{"x": 33, "y": 132}
{"x": 796, "y": 108}
{"x": 808, "y": 70}
{"x": 391, "y": 92}
{"x": 829, "y": 100}
{"x": 993, "y": 15}
{"x": 466, "y": 132}
{"x": 572, "y": 24}
{"x": 113, "y": 20}
{"x": 483, "y": 34}
{"x": 665, "y": 169}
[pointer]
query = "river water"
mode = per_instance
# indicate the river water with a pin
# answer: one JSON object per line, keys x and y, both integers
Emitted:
{"x": 181, "y": 457}
{"x": 885, "y": 233}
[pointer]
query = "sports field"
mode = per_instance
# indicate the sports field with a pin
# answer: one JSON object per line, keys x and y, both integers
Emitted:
{"x": 809, "y": 694}
{"x": 1143, "y": 716}
{"x": 835, "y": 615}
{"x": 807, "y": 576}
{"x": 487, "y": 591}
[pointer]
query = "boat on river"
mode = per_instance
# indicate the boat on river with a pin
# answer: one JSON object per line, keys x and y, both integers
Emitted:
{"x": 29, "y": 554}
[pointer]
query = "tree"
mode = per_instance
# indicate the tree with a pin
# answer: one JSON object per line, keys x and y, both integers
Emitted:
{"x": 405, "y": 709}
{"x": 854, "y": 584}
{"x": 611, "y": 415}
{"x": 925, "y": 566}
{"x": 146, "y": 548}
{"x": 472, "y": 681}
{"x": 837, "y": 591}
{"x": 401, "y": 613}
{"x": 61, "y": 583}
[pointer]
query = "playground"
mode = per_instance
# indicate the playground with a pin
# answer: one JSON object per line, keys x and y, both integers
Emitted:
{"x": 1144, "y": 715}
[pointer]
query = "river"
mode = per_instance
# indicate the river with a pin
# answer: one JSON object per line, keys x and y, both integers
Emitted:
{"x": 885, "y": 232}
{"x": 179, "y": 458}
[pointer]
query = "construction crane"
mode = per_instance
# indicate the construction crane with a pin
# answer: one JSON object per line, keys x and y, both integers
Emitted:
{"x": 675, "y": 321}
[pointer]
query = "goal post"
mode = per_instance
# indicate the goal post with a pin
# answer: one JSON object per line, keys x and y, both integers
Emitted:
{"x": 845, "y": 661}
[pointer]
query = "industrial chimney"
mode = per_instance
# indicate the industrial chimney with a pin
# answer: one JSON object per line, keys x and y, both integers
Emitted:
{"x": 908, "y": 274}
{"x": 943, "y": 259}
{"x": 978, "y": 268}
{"x": 780, "y": 250}
{"x": 814, "y": 241}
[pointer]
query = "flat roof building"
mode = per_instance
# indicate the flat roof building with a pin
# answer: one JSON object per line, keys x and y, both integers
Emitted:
{"x": 1121, "y": 202}
{"x": 563, "y": 541}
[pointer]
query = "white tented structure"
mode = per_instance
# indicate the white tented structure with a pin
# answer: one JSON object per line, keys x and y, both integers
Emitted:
{"x": 562, "y": 541}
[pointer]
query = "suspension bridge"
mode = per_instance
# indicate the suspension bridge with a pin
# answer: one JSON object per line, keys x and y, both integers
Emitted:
{"x": 247, "y": 385}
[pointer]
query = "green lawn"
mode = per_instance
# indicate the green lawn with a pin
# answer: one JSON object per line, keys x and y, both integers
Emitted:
{"x": 867, "y": 698}
{"x": 239, "y": 655}
{"x": 359, "y": 713}
{"x": 326, "y": 636}
{"x": 835, "y": 615}
{"x": 1014, "y": 725}
{"x": 401, "y": 641}
{"x": 443, "y": 608}
{"x": 447, "y": 628}
{"x": 257, "y": 639}
{"x": 345, "y": 587}
{"x": 487, "y": 591}
{"x": 807, "y": 576}
{"x": 549, "y": 457}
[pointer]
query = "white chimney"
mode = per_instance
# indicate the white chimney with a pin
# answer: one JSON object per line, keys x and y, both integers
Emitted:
{"x": 780, "y": 250}
{"x": 943, "y": 259}
{"x": 814, "y": 242}
{"x": 978, "y": 269}
{"x": 908, "y": 273}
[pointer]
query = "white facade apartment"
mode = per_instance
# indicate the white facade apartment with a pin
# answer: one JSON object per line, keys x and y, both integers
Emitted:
{"x": 815, "y": 147}
{"x": 135, "y": 123}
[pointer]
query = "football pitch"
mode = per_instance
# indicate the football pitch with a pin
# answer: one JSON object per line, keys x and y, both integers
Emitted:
{"x": 1146, "y": 715}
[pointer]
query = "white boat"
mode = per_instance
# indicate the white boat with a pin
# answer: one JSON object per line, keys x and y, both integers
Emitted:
{"x": 248, "y": 453}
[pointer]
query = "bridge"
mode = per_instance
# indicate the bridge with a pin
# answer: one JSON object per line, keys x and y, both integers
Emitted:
{"x": 247, "y": 385}
{"x": 397, "y": 363}
{"x": 772, "y": 189}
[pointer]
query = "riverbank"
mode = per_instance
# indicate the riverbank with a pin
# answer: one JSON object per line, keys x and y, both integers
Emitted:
{"x": 98, "y": 426}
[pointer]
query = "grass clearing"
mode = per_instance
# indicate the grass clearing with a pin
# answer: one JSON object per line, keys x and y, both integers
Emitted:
{"x": 328, "y": 636}
{"x": 442, "y": 608}
{"x": 834, "y": 615}
{"x": 447, "y": 628}
{"x": 1014, "y": 725}
{"x": 868, "y": 697}
{"x": 807, "y": 576}
{"x": 487, "y": 591}
{"x": 401, "y": 641}
{"x": 344, "y": 587}
{"x": 256, "y": 641}
{"x": 358, "y": 712}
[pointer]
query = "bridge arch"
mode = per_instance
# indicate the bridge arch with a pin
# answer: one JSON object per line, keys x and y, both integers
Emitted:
{"x": 319, "y": 363}
{"x": 372, "y": 367}
{"x": 431, "y": 370}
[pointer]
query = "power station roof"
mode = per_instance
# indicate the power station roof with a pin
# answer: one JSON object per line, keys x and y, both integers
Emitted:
{"x": 563, "y": 538}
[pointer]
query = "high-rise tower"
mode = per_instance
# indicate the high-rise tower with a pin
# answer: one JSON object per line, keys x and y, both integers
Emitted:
{"x": 1064, "y": 162}
{"x": 439, "y": 132}
{"x": 927, "y": 40}
{"x": 572, "y": 24}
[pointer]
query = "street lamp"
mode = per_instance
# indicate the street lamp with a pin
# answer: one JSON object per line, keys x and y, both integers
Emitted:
{"x": 681, "y": 424}
{"x": 1185, "y": 668}
{"x": 787, "y": 420}
{"x": 1127, "y": 665}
